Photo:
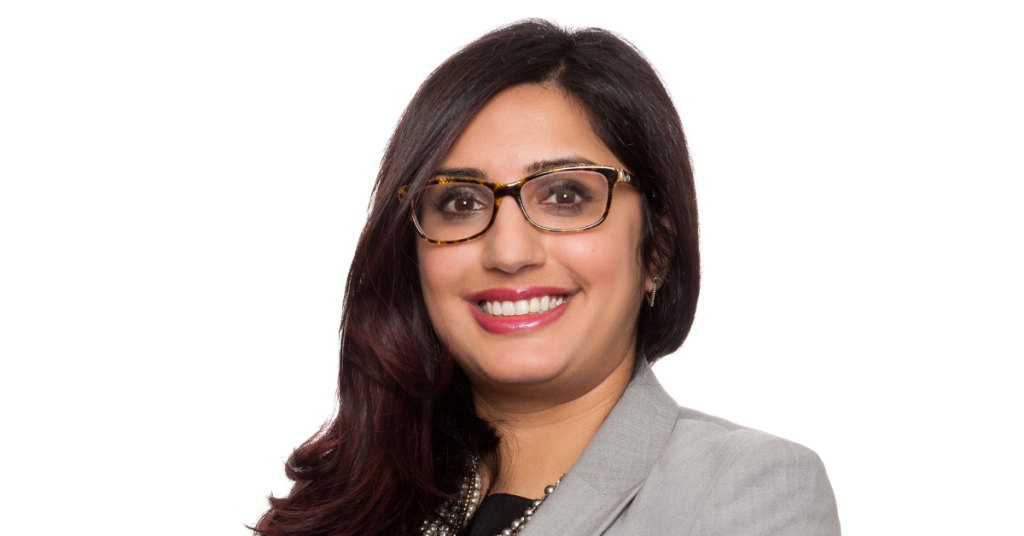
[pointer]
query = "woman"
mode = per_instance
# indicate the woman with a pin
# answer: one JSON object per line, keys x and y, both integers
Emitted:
{"x": 531, "y": 249}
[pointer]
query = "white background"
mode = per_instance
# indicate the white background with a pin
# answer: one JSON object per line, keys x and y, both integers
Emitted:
{"x": 183, "y": 184}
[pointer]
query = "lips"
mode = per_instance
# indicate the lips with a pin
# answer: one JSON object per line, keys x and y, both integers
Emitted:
{"x": 503, "y": 311}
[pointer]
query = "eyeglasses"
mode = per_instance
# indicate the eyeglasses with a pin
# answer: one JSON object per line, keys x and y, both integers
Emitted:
{"x": 560, "y": 200}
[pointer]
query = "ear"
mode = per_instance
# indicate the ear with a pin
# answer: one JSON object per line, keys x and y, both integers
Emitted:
{"x": 655, "y": 270}
{"x": 658, "y": 264}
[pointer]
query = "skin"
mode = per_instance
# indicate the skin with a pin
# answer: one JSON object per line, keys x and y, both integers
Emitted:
{"x": 546, "y": 390}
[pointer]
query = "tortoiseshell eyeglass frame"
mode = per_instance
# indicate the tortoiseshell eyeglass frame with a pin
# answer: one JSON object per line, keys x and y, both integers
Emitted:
{"x": 613, "y": 174}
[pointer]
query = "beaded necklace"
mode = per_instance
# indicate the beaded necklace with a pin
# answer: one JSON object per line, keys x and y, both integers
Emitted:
{"x": 453, "y": 515}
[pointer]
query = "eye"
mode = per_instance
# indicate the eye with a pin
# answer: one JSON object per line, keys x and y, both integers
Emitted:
{"x": 564, "y": 196}
{"x": 570, "y": 199}
{"x": 563, "y": 192}
{"x": 462, "y": 204}
{"x": 458, "y": 201}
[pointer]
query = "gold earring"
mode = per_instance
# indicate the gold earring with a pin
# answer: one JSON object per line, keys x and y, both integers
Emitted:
{"x": 654, "y": 290}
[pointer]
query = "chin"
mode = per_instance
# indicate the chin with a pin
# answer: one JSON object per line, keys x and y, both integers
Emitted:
{"x": 517, "y": 368}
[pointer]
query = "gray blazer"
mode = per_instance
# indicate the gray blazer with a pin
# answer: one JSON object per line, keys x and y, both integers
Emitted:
{"x": 655, "y": 468}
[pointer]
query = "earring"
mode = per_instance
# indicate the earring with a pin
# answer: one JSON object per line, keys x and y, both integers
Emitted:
{"x": 654, "y": 290}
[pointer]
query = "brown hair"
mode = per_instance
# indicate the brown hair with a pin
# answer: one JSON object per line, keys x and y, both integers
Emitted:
{"x": 405, "y": 424}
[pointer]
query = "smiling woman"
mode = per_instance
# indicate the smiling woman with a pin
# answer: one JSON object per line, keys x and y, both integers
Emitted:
{"x": 595, "y": 277}
{"x": 532, "y": 248}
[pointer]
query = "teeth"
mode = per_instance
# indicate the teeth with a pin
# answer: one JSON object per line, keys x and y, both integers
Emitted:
{"x": 533, "y": 305}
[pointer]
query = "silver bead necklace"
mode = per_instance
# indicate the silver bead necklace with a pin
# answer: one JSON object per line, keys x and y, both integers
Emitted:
{"x": 520, "y": 522}
{"x": 453, "y": 515}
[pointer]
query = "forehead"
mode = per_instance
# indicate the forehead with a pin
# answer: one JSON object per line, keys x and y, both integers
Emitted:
{"x": 523, "y": 125}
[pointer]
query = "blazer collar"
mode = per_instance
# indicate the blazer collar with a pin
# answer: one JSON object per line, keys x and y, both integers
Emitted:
{"x": 615, "y": 463}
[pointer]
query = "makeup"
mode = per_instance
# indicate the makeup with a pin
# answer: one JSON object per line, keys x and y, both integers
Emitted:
{"x": 506, "y": 311}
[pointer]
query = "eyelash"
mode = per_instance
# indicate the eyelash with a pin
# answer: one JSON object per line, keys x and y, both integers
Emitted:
{"x": 440, "y": 203}
{"x": 574, "y": 187}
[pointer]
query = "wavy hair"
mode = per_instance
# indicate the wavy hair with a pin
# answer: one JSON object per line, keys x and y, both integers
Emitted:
{"x": 405, "y": 423}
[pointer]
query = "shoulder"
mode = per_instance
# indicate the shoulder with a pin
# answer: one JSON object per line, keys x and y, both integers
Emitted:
{"x": 708, "y": 441}
{"x": 714, "y": 476}
{"x": 656, "y": 468}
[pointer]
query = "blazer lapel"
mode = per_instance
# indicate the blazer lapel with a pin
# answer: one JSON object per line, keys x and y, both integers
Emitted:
{"x": 614, "y": 465}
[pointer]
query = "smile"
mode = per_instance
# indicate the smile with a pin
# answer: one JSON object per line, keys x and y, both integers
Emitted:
{"x": 506, "y": 311}
{"x": 532, "y": 306}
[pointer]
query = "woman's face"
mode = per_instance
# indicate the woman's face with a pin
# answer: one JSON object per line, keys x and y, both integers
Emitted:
{"x": 574, "y": 346}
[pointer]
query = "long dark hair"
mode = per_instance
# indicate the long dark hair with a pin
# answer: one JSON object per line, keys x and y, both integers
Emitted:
{"x": 405, "y": 423}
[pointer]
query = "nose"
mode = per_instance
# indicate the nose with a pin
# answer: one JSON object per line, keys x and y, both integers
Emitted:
{"x": 512, "y": 243}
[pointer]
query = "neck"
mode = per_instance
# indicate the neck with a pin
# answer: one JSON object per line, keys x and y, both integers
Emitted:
{"x": 542, "y": 437}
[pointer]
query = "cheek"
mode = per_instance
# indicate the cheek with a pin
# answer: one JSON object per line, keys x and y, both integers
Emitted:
{"x": 440, "y": 274}
{"x": 607, "y": 258}
{"x": 431, "y": 278}
{"x": 590, "y": 258}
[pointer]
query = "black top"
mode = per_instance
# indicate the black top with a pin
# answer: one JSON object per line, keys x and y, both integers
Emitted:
{"x": 496, "y": 514}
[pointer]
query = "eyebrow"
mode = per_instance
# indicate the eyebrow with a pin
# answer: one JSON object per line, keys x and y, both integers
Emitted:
{"x": 536, "y": 167}
{"x": 541, "y": 165}
{"x": 467, "y": 172}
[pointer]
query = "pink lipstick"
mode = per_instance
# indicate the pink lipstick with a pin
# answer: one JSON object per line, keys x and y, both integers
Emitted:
{"x": 505, "y": 310}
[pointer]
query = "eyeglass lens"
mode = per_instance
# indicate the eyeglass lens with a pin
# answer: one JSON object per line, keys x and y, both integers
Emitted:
{"x": 562, "y": 201}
